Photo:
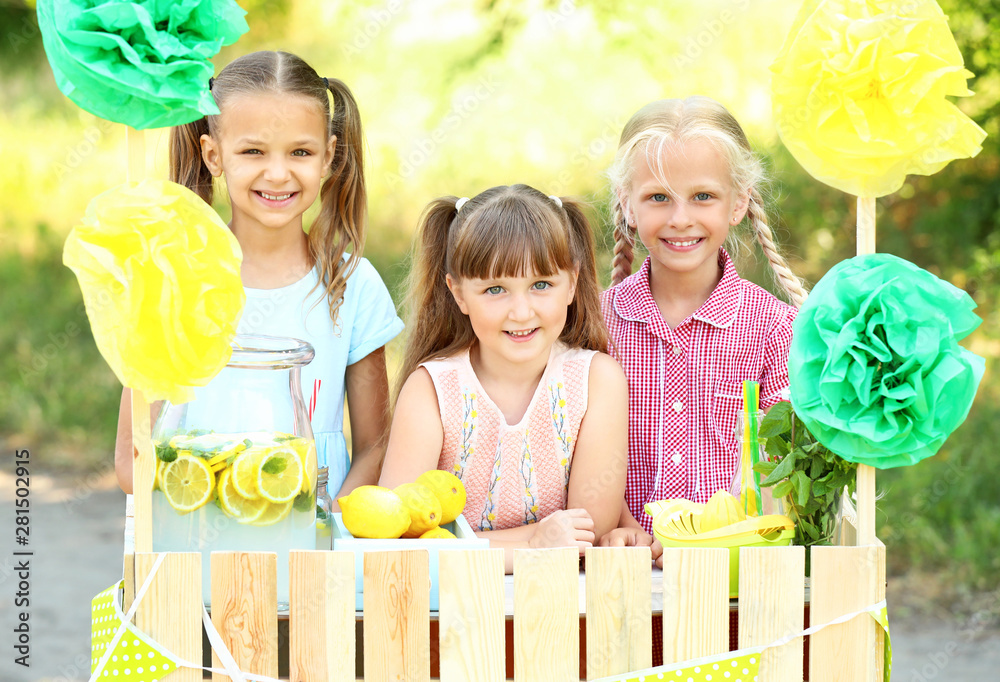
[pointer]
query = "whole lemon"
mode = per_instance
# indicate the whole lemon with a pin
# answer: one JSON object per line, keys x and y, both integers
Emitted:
{"x": 449, "y": 490}
{"x": 371, "y": 511}
{"x": 438, "y": 534}
{"x": 423, "y": 507}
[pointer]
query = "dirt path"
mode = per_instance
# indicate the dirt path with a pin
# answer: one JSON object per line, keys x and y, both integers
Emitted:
{"x": 76, "y": 538}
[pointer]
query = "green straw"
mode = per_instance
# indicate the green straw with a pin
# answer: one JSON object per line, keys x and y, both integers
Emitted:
{"x": 751, "y": 404}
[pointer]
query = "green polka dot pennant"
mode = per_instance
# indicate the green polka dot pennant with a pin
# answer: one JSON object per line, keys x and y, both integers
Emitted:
{"x": 736, "y": 666}
{"x": 881, "y": 616}
{"x": 128, "y": 656}
{"x": 743, "y": 665}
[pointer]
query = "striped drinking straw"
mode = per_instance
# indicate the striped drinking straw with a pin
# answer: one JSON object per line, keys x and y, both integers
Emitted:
{"x": 312, "y": 400}
{"x": 750, "y": 479}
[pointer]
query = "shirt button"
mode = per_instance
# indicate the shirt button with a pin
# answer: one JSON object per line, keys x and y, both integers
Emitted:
{"x": 676, "y": 350}
{"x": 678, "y": 406}
{"x": 676, "y": 457}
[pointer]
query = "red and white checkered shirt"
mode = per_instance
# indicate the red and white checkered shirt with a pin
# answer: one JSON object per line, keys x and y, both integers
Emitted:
{"x": 685, "y": 384}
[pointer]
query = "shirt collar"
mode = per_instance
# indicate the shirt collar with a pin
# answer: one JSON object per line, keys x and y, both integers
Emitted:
{"x": 634, "y": 300}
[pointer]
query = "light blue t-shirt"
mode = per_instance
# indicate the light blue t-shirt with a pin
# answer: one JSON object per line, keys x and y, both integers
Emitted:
{"x": 366, "y": 320}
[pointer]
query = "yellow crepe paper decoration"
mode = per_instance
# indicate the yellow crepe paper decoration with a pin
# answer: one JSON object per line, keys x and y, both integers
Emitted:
{"x": 160, "y": 274}
{"x": 859, "y": 93}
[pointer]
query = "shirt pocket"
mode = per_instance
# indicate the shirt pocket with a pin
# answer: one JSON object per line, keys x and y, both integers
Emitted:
{"x": 727, "y": 401}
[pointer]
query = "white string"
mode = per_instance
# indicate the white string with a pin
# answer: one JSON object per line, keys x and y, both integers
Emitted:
{"x": 840, "y": 619}
{"x": 745, "y": 652}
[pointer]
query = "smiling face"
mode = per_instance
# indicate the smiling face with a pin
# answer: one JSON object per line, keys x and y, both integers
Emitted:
{"x": 273, "y": 149}
{"x": 515, "y": 319}
{"x": 683, "y": 213}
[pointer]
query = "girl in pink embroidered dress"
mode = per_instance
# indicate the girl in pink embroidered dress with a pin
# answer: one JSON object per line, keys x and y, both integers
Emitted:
{"x": 686, "y": 328}
{"x": 504, "y": 380}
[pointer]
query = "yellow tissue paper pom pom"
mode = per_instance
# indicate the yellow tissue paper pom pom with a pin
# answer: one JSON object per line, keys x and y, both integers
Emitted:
{"x": 859, "y": 93}
{"x": 160, "y": 275}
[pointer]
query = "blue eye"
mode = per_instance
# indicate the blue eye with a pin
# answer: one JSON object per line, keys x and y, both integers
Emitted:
{"x": 702, "y": 196}
{"x": 541, "y": 286}
{"x": 659, "y": 197}
{"x": 494, "y": 290}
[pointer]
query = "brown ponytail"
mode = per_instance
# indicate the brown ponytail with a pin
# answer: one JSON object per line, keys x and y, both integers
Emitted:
{"x": 186, "y": 164}
{"x": 437, "y": 327}
{"x": 584, "y": 322}
{"x": 340, "y": 224}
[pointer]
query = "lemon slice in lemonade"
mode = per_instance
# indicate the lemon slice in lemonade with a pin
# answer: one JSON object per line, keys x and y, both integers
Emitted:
{"x": 274, "y": 513}
{"x": 307, "y": 454}
{"x": 244, "y": 470}
{"x": 187, "y": 483}
{"x": 279, "y": 475}
{"x": 234, "y": 504}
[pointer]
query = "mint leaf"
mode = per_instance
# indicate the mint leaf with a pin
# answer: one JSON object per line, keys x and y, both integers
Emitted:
{"x": 303, "y": 502}
{"x": 165, "y": 453}
{"x": 275, "y": 465}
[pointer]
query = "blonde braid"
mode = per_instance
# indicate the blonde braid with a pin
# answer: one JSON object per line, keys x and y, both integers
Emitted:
{"x": 791, "y": 284}
{"x": 621, "y": 264}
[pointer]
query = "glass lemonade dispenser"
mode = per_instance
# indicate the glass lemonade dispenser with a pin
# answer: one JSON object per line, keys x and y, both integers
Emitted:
{"x": 236, "y": 467}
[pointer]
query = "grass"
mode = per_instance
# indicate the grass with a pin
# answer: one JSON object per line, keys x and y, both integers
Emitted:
{"x": 943, "y": 515}
{"x": 61, "y": 399}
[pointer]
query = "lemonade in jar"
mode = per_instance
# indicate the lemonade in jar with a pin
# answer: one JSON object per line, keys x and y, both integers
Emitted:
{"x": 236, "y": 467}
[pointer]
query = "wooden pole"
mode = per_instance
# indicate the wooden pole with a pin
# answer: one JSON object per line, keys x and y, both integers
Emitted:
{"x": 142, "y": 447}
{"x": 866, "y": 474}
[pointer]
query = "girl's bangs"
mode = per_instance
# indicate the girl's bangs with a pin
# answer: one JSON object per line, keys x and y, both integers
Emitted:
{"x": 514, "y": 249}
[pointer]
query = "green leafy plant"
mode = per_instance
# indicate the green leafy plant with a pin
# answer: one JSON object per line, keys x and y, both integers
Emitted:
{"x": 804, "y": 474}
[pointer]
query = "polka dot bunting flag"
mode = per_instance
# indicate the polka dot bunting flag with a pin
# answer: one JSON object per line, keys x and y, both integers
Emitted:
{"x": 741, "y": 667}
{"x": 134, "y": 657}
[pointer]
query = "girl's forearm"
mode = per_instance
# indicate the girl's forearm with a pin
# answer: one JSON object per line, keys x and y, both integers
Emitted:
{"x": 626, "y": 520}
{"x": 366, "y": 466}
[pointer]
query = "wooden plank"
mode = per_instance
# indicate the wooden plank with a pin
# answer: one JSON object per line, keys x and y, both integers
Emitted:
{"x": 143, "y": 464}
{"x": 321, "y": 616}
{"x": 866, "y": 474}
{"x": 846, "y": 579}
{"x": 143, "y": 461}
{"x": 128, "y": 577}
{"x": 695, "y": 603}
{"x": 471, "y": 615}
{"x": 170, "y": 611}
{"x": 619, "y": 610}
{"x": 245, "y": 610}
{"x": 546, "y": 614}
{"x": 397, "y": 616}
{"x": 772, "y": 597}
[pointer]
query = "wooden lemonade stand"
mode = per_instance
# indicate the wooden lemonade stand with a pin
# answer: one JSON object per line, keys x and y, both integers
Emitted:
{"x": 547, "y": 597}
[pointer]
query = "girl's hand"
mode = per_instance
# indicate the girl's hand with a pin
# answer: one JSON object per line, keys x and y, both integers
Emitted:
{"x": 565, "y": 528}
{"x": 634, "y": 537}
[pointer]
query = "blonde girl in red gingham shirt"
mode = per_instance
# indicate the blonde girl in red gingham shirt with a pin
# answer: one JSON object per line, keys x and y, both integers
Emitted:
{"x": 505, "y": 380}
{"x": 685, "y": 328}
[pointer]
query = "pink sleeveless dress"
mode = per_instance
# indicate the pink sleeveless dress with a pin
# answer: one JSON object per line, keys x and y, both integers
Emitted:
{"x": 514, "y": 474}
